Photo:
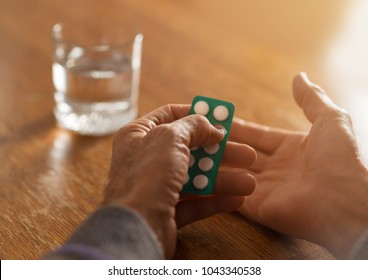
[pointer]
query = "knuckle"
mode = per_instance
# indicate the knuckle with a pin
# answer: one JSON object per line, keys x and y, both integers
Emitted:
{"x": 144, "y": 123}
{"x": 317, "y": 88}
{"x": 165, "y": 132}
{"x": 121, "y": 134}
{"x": 344, "y": 113}
{"x": 141, "y": 125}
{"x": 165, "y": 108}
{"x": 345, "y": 116}
{"x": 340, "y": 115}
{"x": 202, "y": 120}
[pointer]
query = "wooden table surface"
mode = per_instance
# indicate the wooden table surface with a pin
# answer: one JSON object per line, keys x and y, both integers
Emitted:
{"x": 240, "y": 50}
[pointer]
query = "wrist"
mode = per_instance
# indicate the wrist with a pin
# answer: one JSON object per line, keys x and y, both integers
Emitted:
{"x": 350, "y": 217}
{"x": 160, "y": 220}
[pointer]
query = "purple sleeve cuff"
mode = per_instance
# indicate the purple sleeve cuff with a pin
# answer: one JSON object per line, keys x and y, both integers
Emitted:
{"x": 80, "y": 252}
{"x": 360, "y": 249}
{"x": 111, "y": 233}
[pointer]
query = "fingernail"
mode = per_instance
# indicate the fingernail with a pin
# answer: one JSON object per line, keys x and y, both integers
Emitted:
{"x": 221, "y": 129}
{"x": 312, "y": 85}
{"x": 306, "y": 79}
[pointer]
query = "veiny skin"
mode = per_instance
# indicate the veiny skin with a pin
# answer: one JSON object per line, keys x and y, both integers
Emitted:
{"x": 149, "y": 166}
{"x": 312, "y": 185}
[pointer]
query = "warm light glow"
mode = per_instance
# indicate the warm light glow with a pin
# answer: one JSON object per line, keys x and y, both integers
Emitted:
{"x": 348, "y": 56}
{"x": 53, "y": 180}
{"x": 347, "y": 68}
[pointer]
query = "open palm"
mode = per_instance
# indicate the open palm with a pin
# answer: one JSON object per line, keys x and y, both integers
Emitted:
{"x": 305, "y": 180}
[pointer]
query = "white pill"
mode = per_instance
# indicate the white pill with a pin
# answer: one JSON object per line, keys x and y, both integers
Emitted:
{"x": 211, "y": 150}
{"x": 200, "y": 182}
{"x": 191, "y": 160}
{"x": 221, "y": 113}
{"x": 201, "y": 107}
{"x": 205, "y": 164}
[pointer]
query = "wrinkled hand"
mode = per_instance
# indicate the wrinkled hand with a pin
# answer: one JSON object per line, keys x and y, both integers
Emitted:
{"x": 149, "y": 167}
{"x": 310, "y": 186}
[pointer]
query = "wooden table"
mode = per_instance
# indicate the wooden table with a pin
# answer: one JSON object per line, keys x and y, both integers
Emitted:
{"x": 240, "y": 50}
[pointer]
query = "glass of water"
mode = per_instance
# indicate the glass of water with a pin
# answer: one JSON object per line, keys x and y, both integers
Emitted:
{"x": 96, "y": 72}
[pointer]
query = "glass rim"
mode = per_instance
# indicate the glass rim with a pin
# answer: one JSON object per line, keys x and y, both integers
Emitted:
{"x": 135, "y": 34}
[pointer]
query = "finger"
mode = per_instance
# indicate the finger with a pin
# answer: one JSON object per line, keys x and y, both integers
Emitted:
{"x": 234, "y": 182}
{"x": 238, "y": 155}
{"x": 261, "y": 163}
{"x": 311, "y": 98}
{"x": 196, "y": 130}
{"x": 259, "y": 166}
{"x": 250, "y": 207}
{"x": 197, "y": 208}
{"x": 167, "y": 113}
{"x": 260, "y": 137}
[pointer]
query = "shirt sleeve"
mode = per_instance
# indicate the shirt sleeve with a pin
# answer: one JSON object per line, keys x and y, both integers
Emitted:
{"x": 360, "y": 249}
{"x": 111, "y": 233}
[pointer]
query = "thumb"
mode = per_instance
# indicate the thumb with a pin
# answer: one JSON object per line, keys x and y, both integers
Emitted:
{"x": 196, "y": 130}
{"x": 311, "y": 98}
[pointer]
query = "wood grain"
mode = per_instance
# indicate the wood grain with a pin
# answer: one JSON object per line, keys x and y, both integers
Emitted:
{"x": 243, "y": 51}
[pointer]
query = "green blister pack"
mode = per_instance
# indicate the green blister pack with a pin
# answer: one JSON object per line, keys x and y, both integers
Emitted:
{"x": 205, "y": 161}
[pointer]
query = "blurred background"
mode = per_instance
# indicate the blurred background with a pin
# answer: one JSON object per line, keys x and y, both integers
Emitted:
{"x": 264, "y": 43}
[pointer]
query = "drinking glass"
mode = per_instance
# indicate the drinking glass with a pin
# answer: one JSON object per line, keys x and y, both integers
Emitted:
{"x": 96, "y": 72}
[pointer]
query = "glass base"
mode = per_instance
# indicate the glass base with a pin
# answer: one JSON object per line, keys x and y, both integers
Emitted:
{"x": 96, "y": 119}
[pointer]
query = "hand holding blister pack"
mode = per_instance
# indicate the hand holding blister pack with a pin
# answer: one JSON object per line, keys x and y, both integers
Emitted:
{"x": 205, "y": 161}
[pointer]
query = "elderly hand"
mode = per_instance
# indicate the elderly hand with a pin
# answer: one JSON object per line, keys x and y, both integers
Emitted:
{"x": 149, "y": 166}
{"x": 311, "y": 186}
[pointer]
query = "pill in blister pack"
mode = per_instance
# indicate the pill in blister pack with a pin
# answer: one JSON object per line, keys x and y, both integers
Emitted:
{"x": 205, "y": 161}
